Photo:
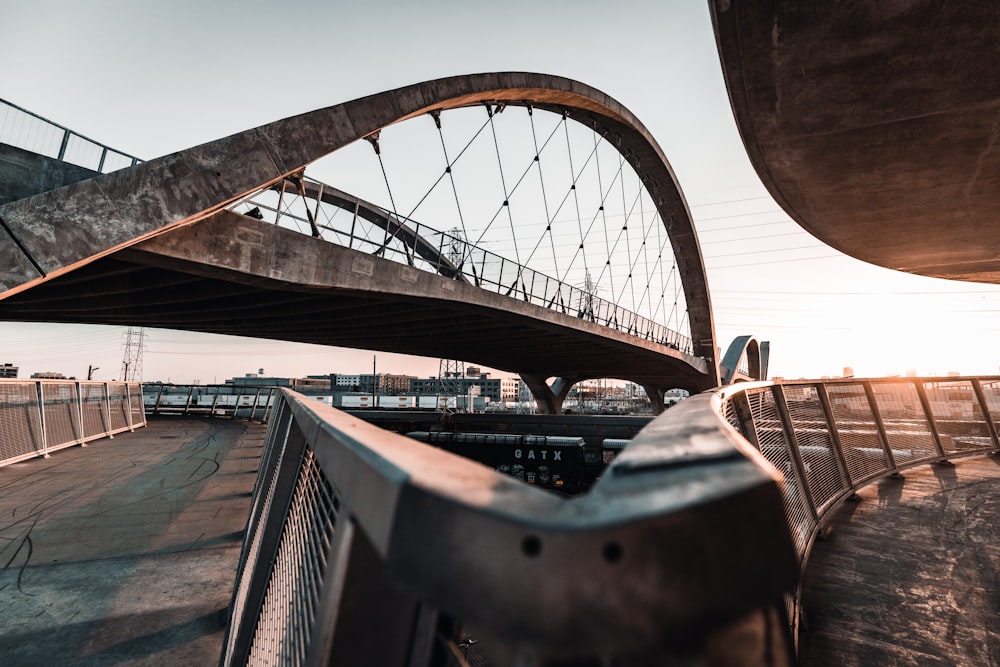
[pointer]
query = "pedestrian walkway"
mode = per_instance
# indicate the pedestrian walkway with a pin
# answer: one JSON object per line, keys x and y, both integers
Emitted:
{"x": 910, "y": 575}
{"x": 124, "y": 552}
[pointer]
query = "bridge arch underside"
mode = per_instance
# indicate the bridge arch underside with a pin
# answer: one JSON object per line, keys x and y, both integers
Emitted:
{"x": 230, "y": 274}
{"x": 65, "y": 230}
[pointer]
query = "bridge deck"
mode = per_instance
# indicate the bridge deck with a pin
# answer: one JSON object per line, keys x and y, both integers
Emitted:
{"x": 125, "y": 552}
{"x": 911, "y": 574}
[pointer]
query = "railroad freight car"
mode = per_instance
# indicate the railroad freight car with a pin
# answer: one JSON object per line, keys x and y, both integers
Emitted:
{"x": 551, "y": 462}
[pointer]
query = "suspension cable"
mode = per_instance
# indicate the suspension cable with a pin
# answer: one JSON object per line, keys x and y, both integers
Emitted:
{"x": 373, "y": 139}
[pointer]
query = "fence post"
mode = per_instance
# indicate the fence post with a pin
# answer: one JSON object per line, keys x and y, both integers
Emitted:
{"x": 40, "y": 395}
{"x": 79, "y": 409}
{"x": 793, "y": 448}
{"x": 215, "y": 400}
{"x": 128, "y": 404}
{"x": 107, "y": 409}
{"x": 984, "y": 408}
{"x": 741, "y": 403}
{"x": 835, "y": 443}
{"x": 926, "y": 405}
{"x": 880, "y": 426}
{"x": 267, "y": 406}
{"x": 156, "y": 405}
{"x": 256, "y": 401}
{"x": 62, "y": 147}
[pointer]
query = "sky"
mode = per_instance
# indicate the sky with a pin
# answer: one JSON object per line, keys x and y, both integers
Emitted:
{"x": 152, "y": 78}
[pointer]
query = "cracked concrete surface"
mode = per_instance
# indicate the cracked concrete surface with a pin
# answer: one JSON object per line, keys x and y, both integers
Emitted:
{"x": 125, "y": 552}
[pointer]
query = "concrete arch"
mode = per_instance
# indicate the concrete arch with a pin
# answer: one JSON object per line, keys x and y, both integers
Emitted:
{"x": 746, "y": 349}
{"x": 55, "y": 232}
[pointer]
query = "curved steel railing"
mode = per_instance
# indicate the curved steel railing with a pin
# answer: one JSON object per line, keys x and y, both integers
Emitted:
{"x": 352, "y": 527}
{"x": 832, "y": 437}
{"x": 364, "y": 547}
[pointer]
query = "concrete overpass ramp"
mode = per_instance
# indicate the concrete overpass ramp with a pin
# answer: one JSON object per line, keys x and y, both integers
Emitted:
{"x": 874, "y": 125}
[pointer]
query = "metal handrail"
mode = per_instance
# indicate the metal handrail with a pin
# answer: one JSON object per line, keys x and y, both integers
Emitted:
{"x": 833, "y": 437}
{"x": 353, "y": 528}
{"x": 225, "y": 400}
{"x": 693, "y": 520}
{"x": 475, "y": 264}
{"x": 38, "y": 417}
{"x": 24, "y": 129}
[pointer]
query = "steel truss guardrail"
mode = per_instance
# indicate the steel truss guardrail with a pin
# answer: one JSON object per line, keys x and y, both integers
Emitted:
{"x": 217, "y": 400}
{"x": 364, "y": 547}
{"x": 831, "y": 438}
{"x": 38, "y": 417}
{"x": 411, "y": 242}
{"x": 24, "y": 129}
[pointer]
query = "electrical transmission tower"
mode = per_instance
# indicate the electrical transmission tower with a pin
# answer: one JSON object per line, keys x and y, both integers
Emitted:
{"x": 587, "y": 293}
{"x": 450, "y": 374}
{"x": 457, "y": 248}
{"x": 451, "y": 371}
{"x": 134, "y": 346}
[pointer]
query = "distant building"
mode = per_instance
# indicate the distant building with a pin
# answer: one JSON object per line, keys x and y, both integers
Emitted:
{"x": 460, "y": 386}
{"x": 259, "y": 380}
{"x": 395, "y": 384}
{"x": 8, "y": 371}
{"x": 48, "y": 375}
{"x": 382, "y": 383}
{"x": 510, "y": 389}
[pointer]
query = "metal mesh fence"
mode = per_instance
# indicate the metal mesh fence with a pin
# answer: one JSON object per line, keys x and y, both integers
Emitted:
{"x": 859, "y": 438}
{"x": 731, "y": 415}
{"x": 957, "y": 416}
{"x": 135, "y": 396}
{"x": 289, "y": 610}
{"x": 118, "y": 406}
{"x": 62, "y": 414}
{"x": 812, "y": 435}
{"x": 21, "y": 128}
{"x": 41, "y": 416}
{"x": 276, "y": 598}
{"x": 20, "y": 421}
{"x": 93, "y": 409}
{"x": 272, "y": 457}
{"x": 774, "y": 447}
{"x": 991, "y": 397}
{"x": 906, "y": 426}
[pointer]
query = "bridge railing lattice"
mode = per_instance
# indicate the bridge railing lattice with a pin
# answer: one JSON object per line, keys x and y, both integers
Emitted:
{"x": 419, "y": 245}
{"x": 38, "y": 417}
{"x": 24, "y": 129}
{"x": 830, "y": 438}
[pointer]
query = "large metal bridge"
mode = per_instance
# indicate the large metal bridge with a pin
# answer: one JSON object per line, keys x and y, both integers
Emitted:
{"x": 525, "y": 222}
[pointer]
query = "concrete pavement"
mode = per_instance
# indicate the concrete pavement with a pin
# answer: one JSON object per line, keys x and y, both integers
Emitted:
{"x": 125, "y": 552}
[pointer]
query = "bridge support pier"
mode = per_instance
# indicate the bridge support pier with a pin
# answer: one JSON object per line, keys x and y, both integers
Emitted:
{"x": 548, "y": 399}
{"x": 655, "y": 395}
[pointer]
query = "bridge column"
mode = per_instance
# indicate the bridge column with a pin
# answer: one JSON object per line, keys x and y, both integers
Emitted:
{"x": 655, "y": 395}
{"x": 548, "y": 399}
